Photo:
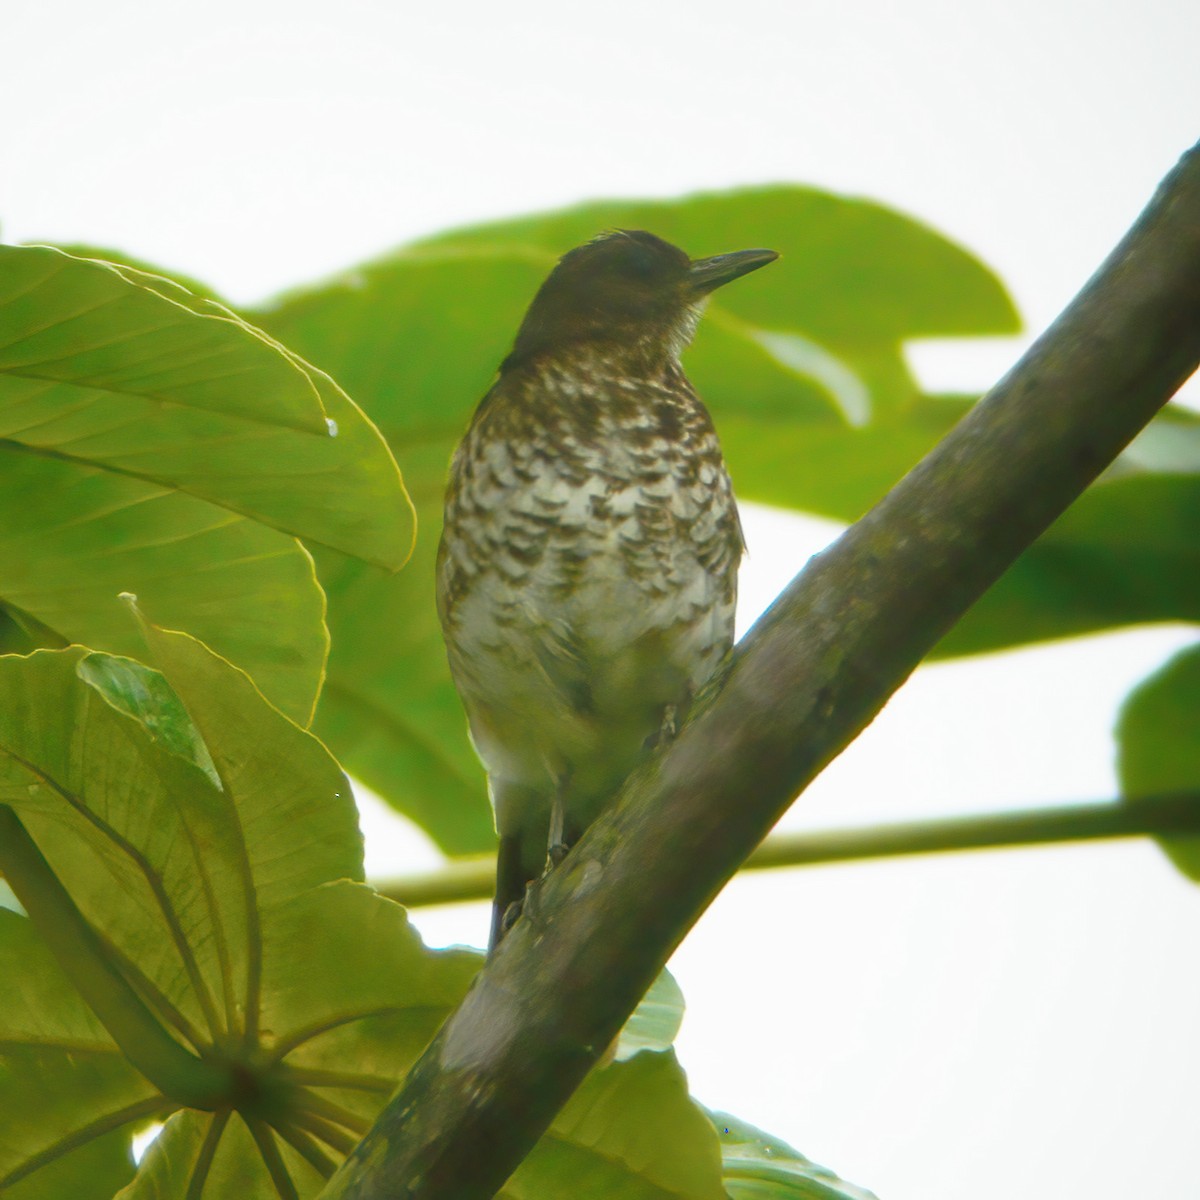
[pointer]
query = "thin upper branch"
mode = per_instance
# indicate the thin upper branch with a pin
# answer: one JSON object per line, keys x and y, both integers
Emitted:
{"x": 1152, "y": 816}
{"x": 811, "y": 674}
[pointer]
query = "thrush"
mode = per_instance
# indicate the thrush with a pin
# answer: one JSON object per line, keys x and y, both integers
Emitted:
{"x": 587, "y": 571}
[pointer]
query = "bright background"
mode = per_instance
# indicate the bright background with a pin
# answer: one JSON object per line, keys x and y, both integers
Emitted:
{"x": 984, "y": 1026}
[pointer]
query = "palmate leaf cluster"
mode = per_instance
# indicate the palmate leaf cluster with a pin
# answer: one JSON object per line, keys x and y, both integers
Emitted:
{"x": 178, "y": 760}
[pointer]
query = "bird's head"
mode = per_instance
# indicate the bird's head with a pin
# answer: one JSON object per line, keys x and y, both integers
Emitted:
{"x": 629, "y": 290}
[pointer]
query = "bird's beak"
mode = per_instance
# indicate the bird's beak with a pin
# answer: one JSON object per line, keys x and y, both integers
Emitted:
{"x": 706, "y": 274}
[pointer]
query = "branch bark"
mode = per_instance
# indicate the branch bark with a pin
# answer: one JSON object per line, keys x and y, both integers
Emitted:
{"x": 805, "y": 681}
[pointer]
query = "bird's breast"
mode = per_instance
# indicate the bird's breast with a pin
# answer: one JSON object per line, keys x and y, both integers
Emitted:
{"x": 620, "y": 515}
{"x": 587, "y": 578}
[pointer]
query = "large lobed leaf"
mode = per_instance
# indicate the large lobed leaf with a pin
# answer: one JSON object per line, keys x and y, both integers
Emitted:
{"x": 803, "y": 368}
{"x": 152, "y": 441}
{"x": 113, "y": 366}
{"x": 786, "y": 361}
{"x": 199, "y": 848}
{"x": 73, "y": 537}
{"x": 212, "y": 843}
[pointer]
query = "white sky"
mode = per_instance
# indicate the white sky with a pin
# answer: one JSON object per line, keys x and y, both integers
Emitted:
{"x": 1017, "y": 1024}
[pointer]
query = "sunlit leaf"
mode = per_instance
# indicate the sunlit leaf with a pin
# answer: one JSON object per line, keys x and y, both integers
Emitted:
{"x": 757, "y": 1166}
{"x": 110, "y": 366}
{"x": 222, "y": 884}
{"x": 629, "y": 1133}
{"x": 219, "y": 864}
{"x": 656, "y": 1020}
{"x": 85, "y": 535}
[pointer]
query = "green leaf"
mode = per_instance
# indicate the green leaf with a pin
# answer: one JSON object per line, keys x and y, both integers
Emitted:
{"x": 142, "y": 693}
{"x": 114, "y": 811}
{"x": 629, "y": 1133}
{"x": 350, "y": 999}
{"x": 114, "y": 367}
{"x": 1158, "y": 745}
{"x": 1127, "y": 552}
{"x": 229, "y": 906}
{"x": 757, "y": 1166}
{"x": 214, "y": 1152}
{"x": 383, "y": 994}
{"x": 224, "y": 892}
{"x": 655, "y": 1022}
{"x": 785, "y": 361}
{"x": 137, "y": 420}
{"x": 852, "y": 272}
{"x": 833, "y": 470}
{"x": 93, "y": 1172}
{"x": 287, "y": 800}
{"x": 92, "y": 534}
{"x": 389, "y": 709}
{"x": 69, "y": 1100}
{"x": 175, "y": 1157}
{"x": 115, "y": 335}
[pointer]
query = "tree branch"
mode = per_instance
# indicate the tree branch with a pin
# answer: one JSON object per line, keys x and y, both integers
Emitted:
{"x": 471, "y": 879}
{"x": 809, "y": 676}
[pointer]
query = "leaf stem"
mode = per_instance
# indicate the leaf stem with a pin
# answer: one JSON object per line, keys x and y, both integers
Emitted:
{"x": 154, "y": 996}
{"x": 284, "y": 1046}
{"x": 264, "y": 1138}
{"x": 208, "y": 1152}
{"x": 306, "y": 1146}
{"x": 336, "y": 1114}
{"x": 328, "y": 1132}
{"x": 352, "y": 1080}
{"x": 178, "y": 1074}
{"x": 150, "y": 1106}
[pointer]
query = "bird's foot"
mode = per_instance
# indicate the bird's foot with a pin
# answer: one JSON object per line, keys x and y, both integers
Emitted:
{"x": 513, "y": 912}
{"x": 670, "y": 723}
{"x": 667, "y": 729}
{"x": 528, "y": 905}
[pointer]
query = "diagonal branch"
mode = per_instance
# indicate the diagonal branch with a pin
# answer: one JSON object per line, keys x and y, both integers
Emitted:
{"x": 811, "y": 674}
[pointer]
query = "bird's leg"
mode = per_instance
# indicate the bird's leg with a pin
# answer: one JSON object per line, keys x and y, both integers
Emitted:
{"x": 556, "y": 851}
{"x": 556, "y": 847}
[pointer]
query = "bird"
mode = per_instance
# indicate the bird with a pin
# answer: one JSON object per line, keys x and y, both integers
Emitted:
{"x": 586, "y": 575}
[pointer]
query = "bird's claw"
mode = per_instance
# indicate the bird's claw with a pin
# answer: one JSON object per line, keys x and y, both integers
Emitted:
{"x": 513, "y": 912}
{"x": 528, "y": 905}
